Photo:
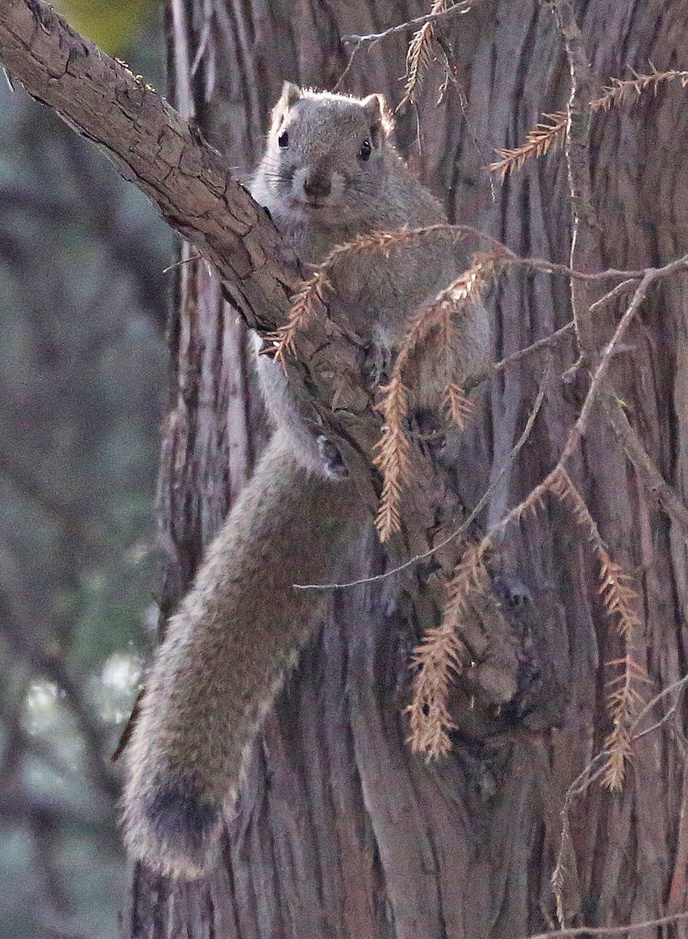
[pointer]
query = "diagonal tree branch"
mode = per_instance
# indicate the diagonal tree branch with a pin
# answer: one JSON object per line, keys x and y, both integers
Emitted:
{"x": 649, "y": 472}
{"x": 189, "y": 183}
{"x": 155, "y": 149}
{"x": 460, "y": 8}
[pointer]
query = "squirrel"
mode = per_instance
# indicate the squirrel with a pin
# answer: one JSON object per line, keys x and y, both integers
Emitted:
{"x": 329, "y": 172}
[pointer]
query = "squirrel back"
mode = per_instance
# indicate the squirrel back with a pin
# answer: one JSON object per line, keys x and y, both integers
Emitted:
{"x": 329, "y": 173}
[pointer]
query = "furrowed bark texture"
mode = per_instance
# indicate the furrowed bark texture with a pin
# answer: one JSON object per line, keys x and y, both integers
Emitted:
{"x": 342, "y": 831}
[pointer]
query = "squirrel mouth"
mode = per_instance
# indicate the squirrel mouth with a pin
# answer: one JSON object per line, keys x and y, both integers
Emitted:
{"x": 311, "y": 205}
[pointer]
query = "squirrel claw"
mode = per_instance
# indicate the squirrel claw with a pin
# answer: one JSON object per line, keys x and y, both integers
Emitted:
{"x": 331, "y": 458}
{"x": 376, "y": 364}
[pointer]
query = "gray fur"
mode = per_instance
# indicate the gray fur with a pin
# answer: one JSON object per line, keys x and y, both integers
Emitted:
{"x": 238, "y": 629}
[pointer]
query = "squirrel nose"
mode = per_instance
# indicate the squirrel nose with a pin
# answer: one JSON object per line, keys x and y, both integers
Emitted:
{"x": 317, "y": 186}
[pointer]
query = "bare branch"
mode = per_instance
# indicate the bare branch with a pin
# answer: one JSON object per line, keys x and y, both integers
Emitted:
{"x": 457, "y": 10}
{"x": 156, "y": 150}
{"x": 666, "y": 495}
{"x": 611, "y": 930}
{"x": 578, "y": 430}
{"x": 585, "y": 239}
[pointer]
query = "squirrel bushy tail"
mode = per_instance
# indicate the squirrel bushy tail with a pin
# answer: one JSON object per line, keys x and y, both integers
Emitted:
{"x": 329, "y": 173}
{"x": 226, "y": 649}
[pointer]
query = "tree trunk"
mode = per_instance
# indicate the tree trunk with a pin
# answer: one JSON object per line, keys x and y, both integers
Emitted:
{"x": 342, "y": 831}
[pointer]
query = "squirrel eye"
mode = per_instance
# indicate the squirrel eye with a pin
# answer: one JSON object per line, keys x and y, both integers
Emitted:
{"x": 365, "y": 150}
{"x": 283, "y": 140}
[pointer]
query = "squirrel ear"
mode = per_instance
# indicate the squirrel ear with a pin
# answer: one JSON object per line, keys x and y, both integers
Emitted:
{"x": 290, "y": 94}
{"x": 379, "y": 115}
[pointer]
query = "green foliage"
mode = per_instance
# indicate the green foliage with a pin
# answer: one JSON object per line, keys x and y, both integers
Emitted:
{"x": 113, "y": 26}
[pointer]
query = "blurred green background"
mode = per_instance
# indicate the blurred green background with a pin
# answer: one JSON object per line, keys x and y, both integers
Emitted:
{"x": 82, "y": 383}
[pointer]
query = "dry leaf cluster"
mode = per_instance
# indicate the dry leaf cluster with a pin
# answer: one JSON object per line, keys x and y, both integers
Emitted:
{"x": 539, "y": 140}
{"x": 622, "y": 91}
{"x": 439, "y": 657}
{"x": 314, "y": 290}
{"x": 283, "y": 341}
{"x": 545, "y": 136}
{"x": 419, "y": 53}
{"x": 393, "y": 456}
{"x": 620, "y": 601}
{"x": 393, "y": 449}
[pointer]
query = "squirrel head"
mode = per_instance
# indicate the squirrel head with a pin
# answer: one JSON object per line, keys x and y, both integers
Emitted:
{"x": 325, "y": 154}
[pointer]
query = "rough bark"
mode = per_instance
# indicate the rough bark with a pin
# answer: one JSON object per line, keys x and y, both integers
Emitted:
{"x": 342, "y": 831}
{"x": 345, "y": 832}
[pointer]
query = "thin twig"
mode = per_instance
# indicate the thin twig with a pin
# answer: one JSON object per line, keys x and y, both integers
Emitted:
{"x": 647, "y": 469}
{"x": 538, "y": 346}
{"x": 618, "y": 291}
{"x": 191, "y": 257}
{"x": 610, "y": 930}
{"x": 458, "y": 9}
{"x": 585, "y": 238}
{"x": 349, "y": 65}
{"x": 679, "y": 686}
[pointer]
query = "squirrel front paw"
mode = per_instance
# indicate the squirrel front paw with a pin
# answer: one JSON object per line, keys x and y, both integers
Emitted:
{"x": 172, "y": 826}
{"x": 331, "y": 458}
